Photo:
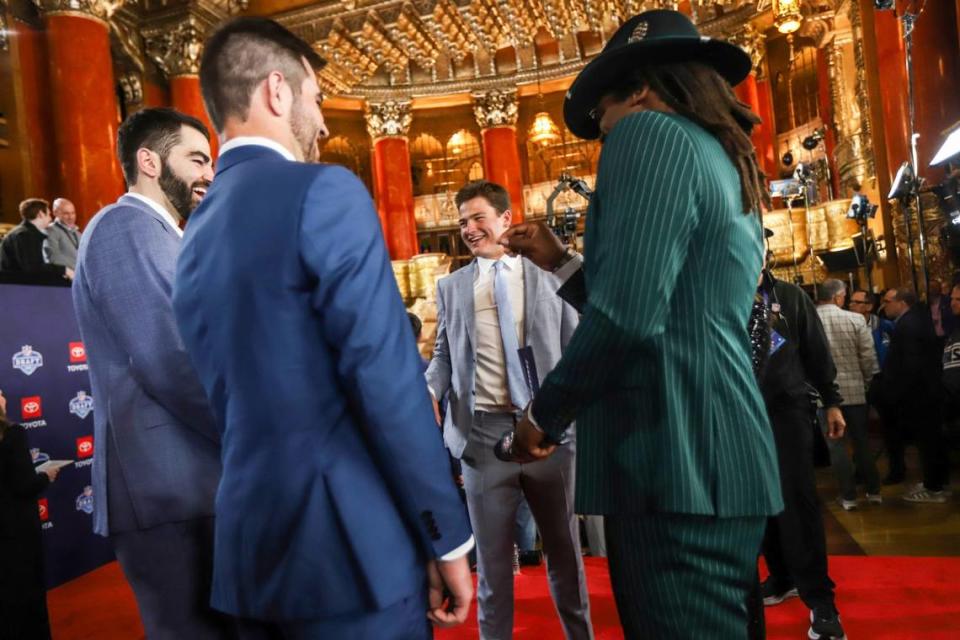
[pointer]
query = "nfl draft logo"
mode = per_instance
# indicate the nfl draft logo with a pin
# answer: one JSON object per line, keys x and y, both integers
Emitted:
{"x": 38, "y": 457}
{"x": 81, "y": 405}
{"x": 27, "y": 360}
{"x": 85, "y": 500}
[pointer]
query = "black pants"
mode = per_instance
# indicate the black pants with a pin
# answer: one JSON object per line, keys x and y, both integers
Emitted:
{"x": 23, "y": 595}
{"x": 795, "y": 546}
{"x": 923, "y": 422}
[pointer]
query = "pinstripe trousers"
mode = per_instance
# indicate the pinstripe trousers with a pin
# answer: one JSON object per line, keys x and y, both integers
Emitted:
{"x": 682, "y": 576}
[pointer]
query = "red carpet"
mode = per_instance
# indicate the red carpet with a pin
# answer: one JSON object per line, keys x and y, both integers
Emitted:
{"x": 894, "y": 598}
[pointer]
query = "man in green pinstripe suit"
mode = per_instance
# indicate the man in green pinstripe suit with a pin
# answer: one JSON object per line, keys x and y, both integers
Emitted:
{"x": 675, "y": 448}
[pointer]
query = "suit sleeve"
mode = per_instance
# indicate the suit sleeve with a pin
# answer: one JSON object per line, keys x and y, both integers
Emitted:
{"x": 55, "y": 243}
{"x": 22, "y": 478}
{"x": 138, "y": 309}
{"x": 439, "y": 370}
{"x": 647, "y": 212}
{"x": 359, "y": 310}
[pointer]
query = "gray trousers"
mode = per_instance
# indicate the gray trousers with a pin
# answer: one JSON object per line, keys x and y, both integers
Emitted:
{"x": 494, "y": 489}
{"x": 855, "y": 416}
{"x": 170, "y": 568}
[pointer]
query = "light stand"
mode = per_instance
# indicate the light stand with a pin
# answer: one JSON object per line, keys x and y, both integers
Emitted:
{"x": 804, "y": 175}
{"x": 909, "y": 21}
{"x": 861, "y": 210}
{"x": 566, "y": 227}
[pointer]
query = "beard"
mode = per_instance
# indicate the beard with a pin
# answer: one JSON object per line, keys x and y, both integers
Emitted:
{"x": 306, "y": 133}
{"x": 178, "y": 192}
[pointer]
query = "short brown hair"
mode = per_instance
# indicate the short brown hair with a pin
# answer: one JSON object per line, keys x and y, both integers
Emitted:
{"x": 240, "y": 55}
{"x": 157, "y": 129}
{"x": 495, "y": 194}
{"x": 32, "y": 207}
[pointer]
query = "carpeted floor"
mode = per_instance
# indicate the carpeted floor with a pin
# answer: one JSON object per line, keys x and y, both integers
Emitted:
{"x": 895, "y": 598}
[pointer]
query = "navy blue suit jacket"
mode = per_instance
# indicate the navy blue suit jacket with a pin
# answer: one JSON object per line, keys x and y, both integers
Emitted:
{"x": 335, "y": 487}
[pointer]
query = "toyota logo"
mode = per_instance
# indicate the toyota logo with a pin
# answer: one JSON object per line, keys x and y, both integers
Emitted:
{"x": 31, "y": 407}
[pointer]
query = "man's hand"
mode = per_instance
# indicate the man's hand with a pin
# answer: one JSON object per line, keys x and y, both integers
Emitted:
{"x": 436, "y": 409}
{"x": 835, "y": 423}
{"x": 528, "y": 445}
{"x": 68, "y": 273}
{"x": 52, "y": 473}
{"x": 451, "y": 609}
{"x": 536, "y": 242}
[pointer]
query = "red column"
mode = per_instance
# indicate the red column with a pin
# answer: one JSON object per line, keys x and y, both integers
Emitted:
{"x": 155, "y": 94}
{"x": 185, "y": 96}
{"x": 936, "y": 64}
{"x": 893, "y": 86}
{"x": 86, "y": 115}
{"x": 501, "y": 164}
{"x": 825, "y": 102}
{"x": 393, "y": 184}
{"x": 756, "y": 93}
{"x": 28, "y": 50}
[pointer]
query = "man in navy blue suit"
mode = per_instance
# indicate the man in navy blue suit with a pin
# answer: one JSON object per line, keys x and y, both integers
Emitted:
{"x": 336, "y": 514}
{"x": 157, "y": 464}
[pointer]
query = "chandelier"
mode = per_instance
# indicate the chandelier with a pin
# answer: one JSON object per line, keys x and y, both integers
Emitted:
{"x": 543, "y": 132}
{"x": 786, "y": 15}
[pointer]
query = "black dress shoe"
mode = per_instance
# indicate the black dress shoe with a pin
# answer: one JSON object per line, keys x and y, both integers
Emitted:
{"x": 531, "y": 558}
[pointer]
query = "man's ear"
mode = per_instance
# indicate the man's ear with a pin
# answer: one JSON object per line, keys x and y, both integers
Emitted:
{"x": 278, "y": 93}
{"x": 148, "y": 163}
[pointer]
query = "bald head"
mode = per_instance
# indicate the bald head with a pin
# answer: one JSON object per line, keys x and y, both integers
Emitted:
{"x": 65, "y": 212}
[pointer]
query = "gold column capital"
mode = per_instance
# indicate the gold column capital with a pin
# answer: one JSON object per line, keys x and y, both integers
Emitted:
{"x": 176, "y": 48}
{"x": 100, "y": 10}
{"x": 495, "y": 108}
{"x": 753, "y": 41}
{"x": 390, "y": 119}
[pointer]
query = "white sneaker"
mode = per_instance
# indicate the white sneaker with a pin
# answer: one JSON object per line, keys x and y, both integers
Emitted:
{"x": 848, "y": 505}
{"x": 947, "y": 491}
{"x": 874, "y": 498}
{"x": 925, "y": 495}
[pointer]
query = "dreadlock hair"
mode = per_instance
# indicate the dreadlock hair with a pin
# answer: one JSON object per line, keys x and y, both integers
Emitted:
{"x": 697, "y": 92}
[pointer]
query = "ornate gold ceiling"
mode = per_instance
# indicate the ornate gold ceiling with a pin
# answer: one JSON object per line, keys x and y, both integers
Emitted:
{"x": 397, "y": 49}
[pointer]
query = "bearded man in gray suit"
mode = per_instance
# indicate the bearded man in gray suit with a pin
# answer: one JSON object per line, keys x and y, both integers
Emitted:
{"x": 485, "y": 312}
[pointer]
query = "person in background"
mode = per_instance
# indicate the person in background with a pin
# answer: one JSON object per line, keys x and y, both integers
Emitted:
{"x": 911, "y": 389}
{"x": 854, "y": 354}
{"x": 63, "y": 236}
{"x": 939, "y": 305}
{"x": 862, "y": 302}
{"x": 951, "y": 363}
{"x": 23, "y": 594}
{"x": 26, "y": 249}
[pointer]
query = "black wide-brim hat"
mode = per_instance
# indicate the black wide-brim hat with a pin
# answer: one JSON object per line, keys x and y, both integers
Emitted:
{"x": 655, "y": 36}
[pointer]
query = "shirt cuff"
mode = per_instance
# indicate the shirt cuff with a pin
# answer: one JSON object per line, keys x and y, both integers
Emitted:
{"x": 572, "y": 265}
{"x": 459, "y": 552}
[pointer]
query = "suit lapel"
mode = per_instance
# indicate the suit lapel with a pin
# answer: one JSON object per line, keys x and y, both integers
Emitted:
{"x": 531, "y": 290}
{"x": 143, "y": 206}
{"x": 464, "y": 294}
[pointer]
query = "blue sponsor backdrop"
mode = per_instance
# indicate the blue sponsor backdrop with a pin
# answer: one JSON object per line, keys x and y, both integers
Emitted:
{"x": 43, "y": 374}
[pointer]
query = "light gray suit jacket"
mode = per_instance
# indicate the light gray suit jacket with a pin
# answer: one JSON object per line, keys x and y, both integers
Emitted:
{"x": 62, "y": 243}
{"x": 548, "y": 324}
{"x": 157, "y": 454}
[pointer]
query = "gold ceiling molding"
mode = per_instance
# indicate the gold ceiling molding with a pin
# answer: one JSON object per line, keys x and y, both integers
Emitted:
{"x": 396, "y": 48}
{"x": 174, "y": 31}
{"x": 389, "y": 119}
{"x": 496, "y": 108}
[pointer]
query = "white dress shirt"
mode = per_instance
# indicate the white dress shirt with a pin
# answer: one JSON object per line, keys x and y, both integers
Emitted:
{"x": 153, "y": 204}
{"x": 259, "y": 141}
{"x": 493, "y": 394}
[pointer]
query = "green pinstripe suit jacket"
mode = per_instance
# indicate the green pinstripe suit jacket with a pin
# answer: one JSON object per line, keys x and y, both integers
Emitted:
{"x": 658, "y": 374}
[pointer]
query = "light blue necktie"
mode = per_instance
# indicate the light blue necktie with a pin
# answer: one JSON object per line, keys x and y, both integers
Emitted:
{"x": 519, "y": 394}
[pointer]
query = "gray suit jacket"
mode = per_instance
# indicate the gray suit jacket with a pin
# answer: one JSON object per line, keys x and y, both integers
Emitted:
{"x": 62, "y": 243}
{"x": 548, "y": 325}
{"x": 157, "y": 446}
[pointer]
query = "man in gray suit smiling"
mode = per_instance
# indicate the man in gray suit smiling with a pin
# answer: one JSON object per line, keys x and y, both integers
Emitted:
{"x": 157, "y": 462}
{"x": 486, "y": 311}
